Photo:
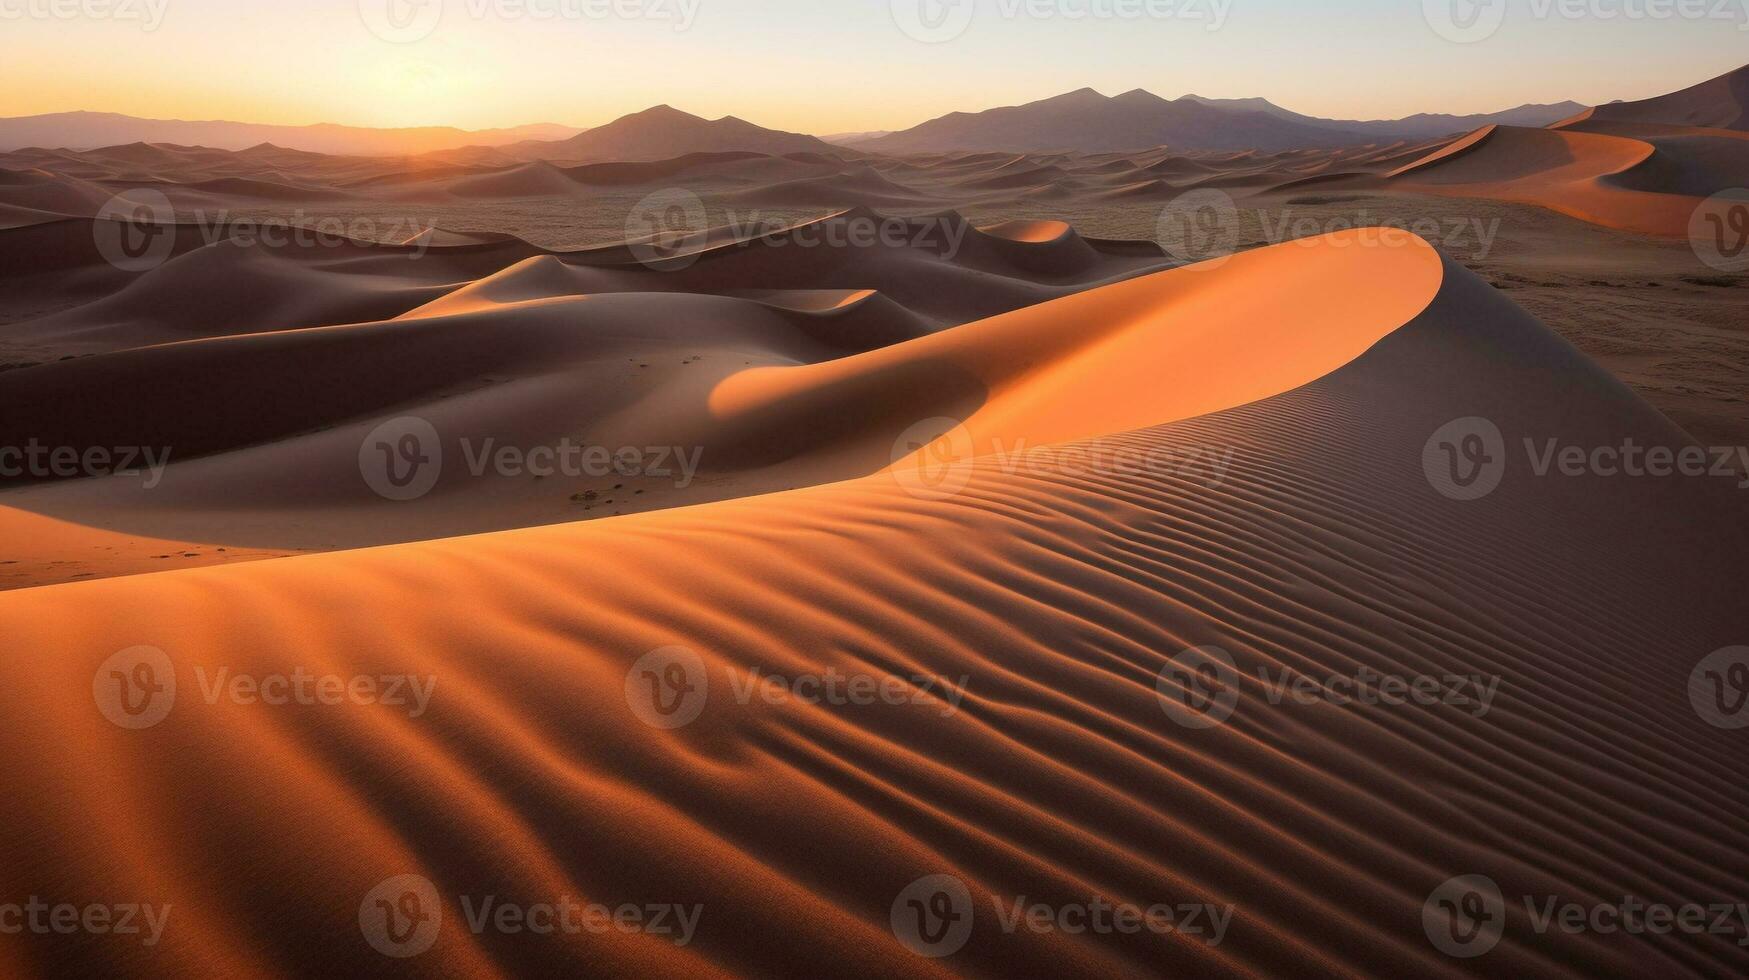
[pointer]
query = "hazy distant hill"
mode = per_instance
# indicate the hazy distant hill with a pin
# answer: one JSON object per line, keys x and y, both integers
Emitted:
{"x": 1086, "y": 120}
{"x": 1424, "y": 125}
{"x": 663, "y": 132}
{"x": 88, "y": 130}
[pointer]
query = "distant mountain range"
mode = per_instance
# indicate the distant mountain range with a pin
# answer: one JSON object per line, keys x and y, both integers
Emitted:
{"x": 1089, "y": 121}
{"x": 1083, "y": 120}
{"x": 90, "y": 130}
{"x": 1421, "y": 126}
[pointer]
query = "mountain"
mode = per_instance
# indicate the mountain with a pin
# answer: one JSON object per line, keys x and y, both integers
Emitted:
{"x": 662, "y": 133}
{"x": 88, "y": 130}
{"x": 1088, "y": 121}
{"x": 1424, "y": 125}
{"x": 1719, "y": 103}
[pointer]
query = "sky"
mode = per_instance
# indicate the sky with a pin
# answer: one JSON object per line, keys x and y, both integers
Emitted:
{"x": 831, "y": 66}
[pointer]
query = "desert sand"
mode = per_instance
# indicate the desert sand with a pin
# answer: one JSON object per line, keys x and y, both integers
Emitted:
{"x": 1025, "y": 440}
{"x": 1059, "y": 594}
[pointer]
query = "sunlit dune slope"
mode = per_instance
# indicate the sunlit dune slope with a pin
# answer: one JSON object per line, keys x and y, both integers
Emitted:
{"x": 1177, "y": 344}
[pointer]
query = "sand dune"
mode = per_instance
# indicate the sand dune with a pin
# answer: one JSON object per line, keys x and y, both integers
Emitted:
{"x": 1009, "y": 177}
{"x": 495, "y": 339}
{"x": 37, "y": 197}
{"x": 1650, "y": 185}
{"x": 1640, "y": 166}
{"x": 221, "y": 286}
{"x": 1031, "y": 232}
{"x": 1057, "y": 591}
{"x": 267, "y": 190}
{"x": 1030, "y": 379}
{"x": 847, "y": 321}
{"x": 861, "y": 186}
{"x": 1719, "y": 103}
{"x": 647, "y": 173}
{"x": 536, "y": 179}
{"x": 1146, "y": 190}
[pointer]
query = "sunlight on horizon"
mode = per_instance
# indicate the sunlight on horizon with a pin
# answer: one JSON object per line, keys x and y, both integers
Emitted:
{"x": 809, "y": 66}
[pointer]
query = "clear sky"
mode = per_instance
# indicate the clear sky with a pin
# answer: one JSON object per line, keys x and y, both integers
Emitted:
{"x": 827, "y": 66}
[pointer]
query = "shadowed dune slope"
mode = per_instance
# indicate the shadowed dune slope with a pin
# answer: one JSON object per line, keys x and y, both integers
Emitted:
{"x": 1719, "y": 103}
{"x": 1058, "y": 591}
{"x": 222, "y": 282}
